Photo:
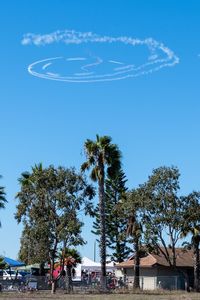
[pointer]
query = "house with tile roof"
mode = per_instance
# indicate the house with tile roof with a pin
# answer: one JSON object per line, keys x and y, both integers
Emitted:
{"x": 157, "y": 272}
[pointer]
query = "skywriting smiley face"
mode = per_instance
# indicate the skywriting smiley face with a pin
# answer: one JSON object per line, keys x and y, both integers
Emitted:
{"x": 99, "y": 67}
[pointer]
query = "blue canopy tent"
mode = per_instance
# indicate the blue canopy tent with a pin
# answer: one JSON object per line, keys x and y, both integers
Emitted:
{"x": 13, "y": 263}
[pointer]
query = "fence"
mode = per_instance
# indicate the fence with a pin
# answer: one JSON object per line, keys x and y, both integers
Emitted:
{"x": 28, "y": 282}
{"x": 93, "y": 284}
{"x": 158, "y": 282}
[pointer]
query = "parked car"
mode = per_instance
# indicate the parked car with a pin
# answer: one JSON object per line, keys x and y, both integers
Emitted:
{"x": 24, "y": 273}
{"x": 10, "y": 274}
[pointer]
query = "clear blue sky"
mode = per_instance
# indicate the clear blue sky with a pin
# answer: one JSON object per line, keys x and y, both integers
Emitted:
{"x": 154, "y": 119}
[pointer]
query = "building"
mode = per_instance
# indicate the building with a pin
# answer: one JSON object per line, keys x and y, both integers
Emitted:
{"x": 155, "y": 271}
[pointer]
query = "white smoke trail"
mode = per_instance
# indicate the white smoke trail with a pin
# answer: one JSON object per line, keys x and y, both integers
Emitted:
{"x": 159, "y": 57}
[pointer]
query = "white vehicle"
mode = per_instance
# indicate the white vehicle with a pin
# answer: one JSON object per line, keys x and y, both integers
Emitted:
{"x": 9, "y": 274}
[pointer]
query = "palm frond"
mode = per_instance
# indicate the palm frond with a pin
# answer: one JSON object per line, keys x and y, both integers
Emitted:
{"x": 101, "y": 151}
{"x": 94, "y": 174}
{"x": 85, "y": 166}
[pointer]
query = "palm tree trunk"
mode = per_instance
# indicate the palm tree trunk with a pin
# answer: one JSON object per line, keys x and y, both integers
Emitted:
{"x": 196, "y": 265}
{"x": 102, "y": 244}
{"x": 136, "y": 283}
{"x": 68, "y": 280}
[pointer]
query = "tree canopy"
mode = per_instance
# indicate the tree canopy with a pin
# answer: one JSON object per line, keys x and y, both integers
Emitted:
{"x": 49, "y": 201}
{"x": 116, "y": 238}
{"x": 162, "y": 211}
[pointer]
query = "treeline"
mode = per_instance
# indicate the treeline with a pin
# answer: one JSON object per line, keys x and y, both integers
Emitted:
{"x": 152, "y": 217}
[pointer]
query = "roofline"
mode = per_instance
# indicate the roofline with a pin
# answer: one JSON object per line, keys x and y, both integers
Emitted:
{"x": 129, "y": 267}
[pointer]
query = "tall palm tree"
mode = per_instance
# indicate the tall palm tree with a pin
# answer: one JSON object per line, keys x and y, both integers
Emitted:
{"x": 195, "y": 241}
{"x": 134, "y": 230}
{"x": 132, "y": 208}
{"x": 191, "y": 226}
{"x": 103, "y": 158}
{"x": 194, "y": 246}
{"x": 2, "y": 197}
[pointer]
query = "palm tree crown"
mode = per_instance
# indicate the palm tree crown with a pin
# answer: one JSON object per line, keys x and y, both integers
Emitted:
{"x": 101, "y": 152}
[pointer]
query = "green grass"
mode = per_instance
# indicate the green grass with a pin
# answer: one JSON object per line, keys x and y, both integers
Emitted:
{"x": 59, "y": 296}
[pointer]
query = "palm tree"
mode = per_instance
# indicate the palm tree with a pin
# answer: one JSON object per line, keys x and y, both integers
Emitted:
{"x": 191, "y": 226}
{"x": 135, "y": 231}
{"x": 194, "y": 246}
{"x": 104, "y": 158}
{"x": 195, "y": 241}
{"x": 69, "y": 258}
{"x": 2, "y": 197}
{"x": 132, "y": 208}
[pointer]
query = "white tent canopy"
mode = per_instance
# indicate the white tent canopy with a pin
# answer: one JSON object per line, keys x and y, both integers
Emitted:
{"x": 91, "y": 266}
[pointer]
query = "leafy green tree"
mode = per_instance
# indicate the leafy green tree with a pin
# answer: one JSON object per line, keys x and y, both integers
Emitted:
{"x": 104, "y": 159}
{"x": 163, "y": 212}
{"x": 34, "y": 245}
{"x": 116, "y": 239}
{"x": 49, "y": 201}
{"x": 191, "y": 227}
{"x": 3, "y": 265}
{"x": 35, "y": 242}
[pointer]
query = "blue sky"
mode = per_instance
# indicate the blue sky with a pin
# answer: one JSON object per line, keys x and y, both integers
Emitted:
{"x": 154, "y": 118}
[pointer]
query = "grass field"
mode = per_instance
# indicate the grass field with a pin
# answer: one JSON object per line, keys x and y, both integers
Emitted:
{"x": 45, "y": 295}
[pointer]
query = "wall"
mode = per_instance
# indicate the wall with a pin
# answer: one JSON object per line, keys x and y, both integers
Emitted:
{"x": 148, "y": 277}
